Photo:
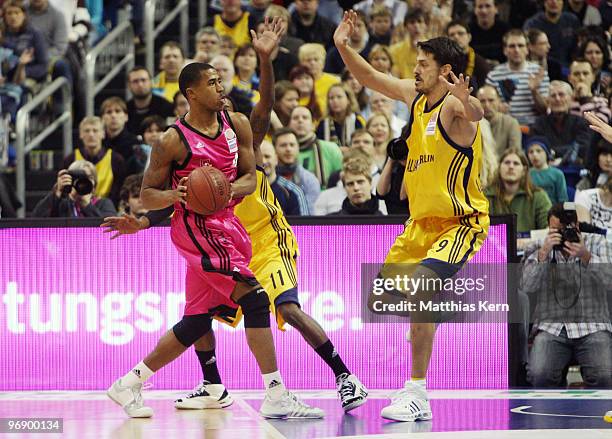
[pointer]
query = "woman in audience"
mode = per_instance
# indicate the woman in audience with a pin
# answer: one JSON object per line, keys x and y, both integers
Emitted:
{"x": 342, "y": 116}
{"x": 10, "y": 85}
{"x": 151, "y": 129}
{"x": 601, "y": 168}
{"x": 20, "y": 37}
{"x": 245, "y": 64}
{"x": 513, "y": 192}
{"x": 379, "y": 127}
{"x": 361, "y": 93}
{"x": 303, "y": 79}
{"x": 312, "y": 55}
{"x": 596, "y": 51}
{"x": 380, "y": 58}
{"x": 598, "y": 205}
{"x": 286, "y": 98}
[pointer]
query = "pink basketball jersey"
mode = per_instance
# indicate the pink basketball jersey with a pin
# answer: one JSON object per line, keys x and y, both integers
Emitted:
{"x": 220, "y": 151}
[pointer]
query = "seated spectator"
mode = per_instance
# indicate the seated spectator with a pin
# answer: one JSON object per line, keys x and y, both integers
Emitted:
{"x": 117, "y": 136}
{"x": 74, "y": 195}
{"x": 380, "y": 58}
{"x": 600, "y": 169}
{"x": 288, "y": 194}
{"x": 513, "y": 192}
{"x": 20, "y": 36}
{"x": 11, "y": 90}
{"x": 598, "y": 204}
{"x": 358, "y": 41}
{"x": 396, "y": 9}
{"x": 233, "y": 22}
{"x": 437, "y": 15}
{"x": 404, "y": 53}
{"x": 539, "y": 49}
{"x": 597, "y": 52}
{"x": 287, "y": 150}
{"x": 131, "y": 204}
{"x": 581, "y": 77}
{"x": 151, "y": 129}
{"x": 587, "y": 15}
{"x": 548, "y": 178}
{"x": 487, "y": 30}
{"x": 286, "y": 98}
{"x": 207, "y": 44}
{"x": 381, "y": 24}
{"x": 379, "y": 103}
{"x": 303, "y": 80}
{"x": 180, "y": 106}
{"x": 505, "y": 128}
{"x": 312, "y": 55}
{"x": 227, "y": 47}
{"x": 379, "y": 127}
{"x": 342, "y": 116}
{"x": 320, "y": 157}
{"x": 361, "y": 146}
{"x": 571, "y": 318}
{"x": 245, "y": 66}
{"x": 560, "y": 27}
{"x": 110, "y": 165}
{"x": 283, "y": 60}
{"x": 242, "y": 100}
{"x": 288, "y": 41}
{"x": 476, "y": 67}
{"x": 358, "y": 185}
{"x": 521, "y": 84}
{"x": 257, "y": 9}
{"x": 361, "y": 93}
{"x": 308, "y": 25}
{"x": 568, "y": 135}
{"x": 171, "y": 61}
{"x": 144, "y": 103}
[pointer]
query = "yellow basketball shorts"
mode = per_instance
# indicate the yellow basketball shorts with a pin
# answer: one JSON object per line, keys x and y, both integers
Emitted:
{"x": 275, "y": 268}
{"x": 443, "y": 245}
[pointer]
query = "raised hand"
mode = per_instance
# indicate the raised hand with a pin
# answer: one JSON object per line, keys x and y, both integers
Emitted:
{"x": 265, "y": 43}
{"x": 460, "y": 87}
{"x": 598, "y": 125}
{"x": 345, "y": 29}
{"x": 122, "y": 225}
{"x": 535, "y": 80}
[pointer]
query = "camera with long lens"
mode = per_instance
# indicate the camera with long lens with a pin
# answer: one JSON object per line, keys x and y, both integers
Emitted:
{"x": 80, "y": 182}
{"x": 569, "y": 230}
{"x": 397, "y": 149}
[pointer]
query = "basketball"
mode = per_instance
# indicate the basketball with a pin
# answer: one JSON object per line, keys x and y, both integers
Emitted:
{"x": 208, "y": 190}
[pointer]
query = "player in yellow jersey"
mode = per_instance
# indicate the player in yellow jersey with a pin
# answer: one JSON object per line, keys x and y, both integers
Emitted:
{"x": 274, "y": 264}
{"x": 448, "y": 211}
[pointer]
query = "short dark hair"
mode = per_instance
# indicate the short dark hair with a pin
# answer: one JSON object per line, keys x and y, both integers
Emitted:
{"x": 171, "y": 45}
{"x": 149, "y": 121}
{"x": 131, "y": 187}
{"x": 445, "y": 51}
{"x": 414, "y": 15}
{"x": 454, "y": 23}
{"x": 566, "y": 216}
{"x": 138, "y": 69}
{"x": 191, "y": 75}
{"x": 282, "y": 132}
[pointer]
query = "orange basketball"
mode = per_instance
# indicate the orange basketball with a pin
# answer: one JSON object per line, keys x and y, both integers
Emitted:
{"x": 208, "y": 190}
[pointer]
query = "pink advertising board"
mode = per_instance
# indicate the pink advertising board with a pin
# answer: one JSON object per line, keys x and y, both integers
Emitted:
{"x": 77, "y": 310}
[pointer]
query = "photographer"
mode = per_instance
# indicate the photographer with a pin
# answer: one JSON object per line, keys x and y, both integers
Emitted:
{"x": 568, "y": 276}
{"x": 73, "y": 195}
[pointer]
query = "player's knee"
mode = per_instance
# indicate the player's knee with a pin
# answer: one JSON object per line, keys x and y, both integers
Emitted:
{"x": 291, "y": 313}
{"x": 256, "y": 309}
{"x": 191, "y": 328}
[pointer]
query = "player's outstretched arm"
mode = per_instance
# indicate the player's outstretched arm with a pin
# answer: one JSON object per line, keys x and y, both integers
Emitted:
{"x": 247, "y": 177}
{"x": 128, "y": 224}
{"x": 264, "y": 46}
{"x": 467, "y": 107}
{"x": 598, "y": 125}
{"x": 157, "y": 175}
{"x": 399, "y": 89}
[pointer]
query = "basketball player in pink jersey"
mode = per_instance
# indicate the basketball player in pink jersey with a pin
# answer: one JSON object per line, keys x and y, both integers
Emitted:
{"x": 216, "y": 247}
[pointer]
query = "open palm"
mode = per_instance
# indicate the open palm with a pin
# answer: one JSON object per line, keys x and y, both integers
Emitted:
{"x": 460, "y": 87}
{"x": 346, "y": 28}
{"x": 265, "y": 43}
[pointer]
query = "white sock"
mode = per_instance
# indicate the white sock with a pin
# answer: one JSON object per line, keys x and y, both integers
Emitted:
{"x": 139, "y": 374}
{"x": 421, "y": 382}
{"x": 273, "y": 382}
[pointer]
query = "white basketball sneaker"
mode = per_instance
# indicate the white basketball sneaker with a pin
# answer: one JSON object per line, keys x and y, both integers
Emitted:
{"x": 130, "y": 399}
{"x": 408, "y": 404}
{"x": 205, "y": 396}
{"x": 288, "y": 406}
{"x": 352, "y": 393}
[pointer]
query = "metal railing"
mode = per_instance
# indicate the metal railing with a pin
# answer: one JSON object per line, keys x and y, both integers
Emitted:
{"x": 21, "y": 125}
{"x": 116, "y": 52}
{"x": 151, "y": 31}
{"x": 202, "y": 13}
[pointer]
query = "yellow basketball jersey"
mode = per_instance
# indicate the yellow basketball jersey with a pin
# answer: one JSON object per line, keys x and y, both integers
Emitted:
{"x": 239, "y": 32}
{"x": 441, "y": 178}
{"x": 104, "y": 169}
{"x": 260, "y": 210}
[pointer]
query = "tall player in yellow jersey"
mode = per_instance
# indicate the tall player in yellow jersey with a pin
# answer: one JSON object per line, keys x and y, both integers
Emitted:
{"x": 448, "y": 211}
{"x": 274, "y": 264}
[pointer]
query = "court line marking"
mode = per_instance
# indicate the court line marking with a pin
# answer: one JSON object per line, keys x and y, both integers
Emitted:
{"x": 269, "y": 428}
{"x": 522, "y": 411}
